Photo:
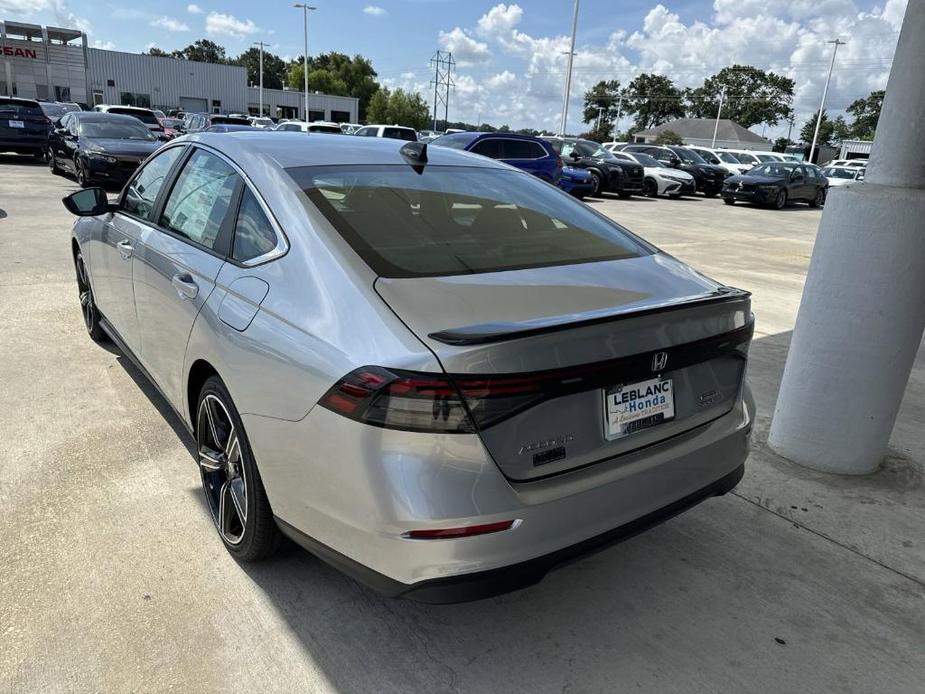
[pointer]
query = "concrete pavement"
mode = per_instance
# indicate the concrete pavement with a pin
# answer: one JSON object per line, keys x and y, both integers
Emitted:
{"x": 112, "y": 578}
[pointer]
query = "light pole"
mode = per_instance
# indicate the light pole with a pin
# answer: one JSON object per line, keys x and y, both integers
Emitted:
{"x": 722, "y": 96}
{"x": 812, "y": 149}
{"x": 260, "y": 97}
{"x": 568, "y": 74}
{"x": 305, "y": 9}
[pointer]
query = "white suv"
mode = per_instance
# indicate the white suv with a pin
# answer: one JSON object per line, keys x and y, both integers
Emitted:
{"x": 721, "y": 158}
{"x": 396, "y": 132}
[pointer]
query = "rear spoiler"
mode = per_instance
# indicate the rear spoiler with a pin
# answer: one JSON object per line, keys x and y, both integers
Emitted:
{"x": 485, "y": 333}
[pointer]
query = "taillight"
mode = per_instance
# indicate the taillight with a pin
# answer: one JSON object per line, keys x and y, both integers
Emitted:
{"x": 465, "y": 531}
{"x": 430, "y": 402}
{"x": 399, "y": 400}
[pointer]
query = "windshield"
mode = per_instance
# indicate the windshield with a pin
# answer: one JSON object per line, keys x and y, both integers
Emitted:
{"x": 727, "y": 158}
{"x": 777, "y": 170}
{"x": 766, "y": 157}
{"x": 53, "y": 111}
{"x": 118, "y": 130}
{"x": 451, "y": 220}
{"x": 172, "y": 122}
{"x": 745, "y": 158}
{"x": 832, "y": 172}
{"x": 647, "y": 160}
{"x": 708, "y": 157}
{"x": 456, "y": 141}
{"x": 688, "y": 156}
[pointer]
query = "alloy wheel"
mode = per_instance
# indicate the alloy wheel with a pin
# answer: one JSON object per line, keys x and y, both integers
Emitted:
{"x": 87, "y": 305}
{"x": 650, "y": 188}
{"x": 595, "y": 184}
{"x": 781, "y": 200}
{"x": 224, "y": 477}
{"x": 81, "y": 174}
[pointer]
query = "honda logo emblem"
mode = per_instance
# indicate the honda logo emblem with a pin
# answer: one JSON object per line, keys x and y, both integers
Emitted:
{"x": 659, "y": 361}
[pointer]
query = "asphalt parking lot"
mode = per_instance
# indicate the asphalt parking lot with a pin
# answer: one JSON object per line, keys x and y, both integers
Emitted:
{"x": 112, "y": 578}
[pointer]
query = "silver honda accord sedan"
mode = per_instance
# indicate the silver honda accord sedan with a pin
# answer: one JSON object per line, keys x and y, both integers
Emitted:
{"x": 436, "y": 372}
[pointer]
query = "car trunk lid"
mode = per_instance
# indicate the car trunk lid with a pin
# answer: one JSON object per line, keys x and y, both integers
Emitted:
{"x": 559, "y": 339}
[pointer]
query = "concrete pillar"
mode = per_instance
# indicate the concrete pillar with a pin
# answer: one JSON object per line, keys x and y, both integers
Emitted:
{"x": 862, "y": 315}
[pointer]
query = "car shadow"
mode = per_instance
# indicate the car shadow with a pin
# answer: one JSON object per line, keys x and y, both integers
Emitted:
{"x": 21, "y": 160}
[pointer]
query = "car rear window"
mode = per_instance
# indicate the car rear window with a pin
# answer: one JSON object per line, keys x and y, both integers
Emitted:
{"x": 143, "y": 116}
{"x": 451, "y": 220}
{"x": 20, "y": 108}
{"x": 400, "y": 134}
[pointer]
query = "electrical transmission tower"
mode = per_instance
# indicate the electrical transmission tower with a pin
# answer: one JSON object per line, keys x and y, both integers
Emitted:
{"x": 443, "y": 81}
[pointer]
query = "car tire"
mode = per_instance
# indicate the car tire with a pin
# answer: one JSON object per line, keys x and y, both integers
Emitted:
{"x": 231, "y": 484}
{"x": 710, "y": 195}
{"x": 40, "y": 155}
{"x": 650, "y": 188}
{"x": 80, "y": 173}
{"x": 595, "y": 184}
{"x": 622, "y": 195}
{"x": 53, "y": 164}
{"x": 819, "y": 200}
{"x": 729, "y": 201}
{"x": 780, "y": 200}
{"x": 91, "y": 313}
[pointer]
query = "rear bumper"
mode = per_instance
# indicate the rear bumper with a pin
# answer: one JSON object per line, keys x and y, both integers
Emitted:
{"x": 486, "y": 584}
{"x": 348, "y": 492}
{"x": 23, "y": 146}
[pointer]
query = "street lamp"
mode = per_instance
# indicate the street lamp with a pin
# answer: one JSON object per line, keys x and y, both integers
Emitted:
{"x": 305, "y": 9}
{"x": 568, "y": 70}
{"x": 825, "y": 91}
{"x": 260, "y": 97}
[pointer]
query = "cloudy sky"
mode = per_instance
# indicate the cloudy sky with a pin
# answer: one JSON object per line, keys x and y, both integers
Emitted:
{"x": 511, "y": 56}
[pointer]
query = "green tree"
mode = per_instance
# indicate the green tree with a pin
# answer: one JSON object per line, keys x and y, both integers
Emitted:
{"x": 668, "y": 137}
{"x": 753, "y": 96}
{"x": 351, "y": 76}
{"x": 653, "y": 100}
{"x": 274, "y": 68}
{"x": 203, "y": 51}
{"x": 781, "y": 144}
{"x": 154, "y": 50}
{"x": 866, "y": 113}
{"x": 840, "y": 130}
{"x": 378, "y": 109}
{"x": 604, "y": 99}
{"x": 826, "y": 128}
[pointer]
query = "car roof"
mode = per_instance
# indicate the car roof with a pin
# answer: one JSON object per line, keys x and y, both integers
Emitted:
{"x": 129, "y": 108}
{"x": 386, "y": 125}
{"x": 321, "y": 149}
{"x": 20, "y": 100}
{"x": 103, "y": 116}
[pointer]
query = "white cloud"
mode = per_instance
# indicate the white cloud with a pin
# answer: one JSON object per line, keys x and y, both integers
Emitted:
{"x": 375, "y": 11}
{"x": 788, "y": 38}
{"x": 169, "y": 23}
{"x": 194, "y": 9}
{"x": 105, "y": 45}
{"x": 218, "y": 24}
{"x": 465, "y": 49}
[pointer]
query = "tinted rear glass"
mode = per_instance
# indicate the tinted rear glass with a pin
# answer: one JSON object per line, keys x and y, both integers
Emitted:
{"x": 451, "y": 220}
{"x": 143, "y": 116}
{"x": 116, "y": 129}
{"x": 17, "y": 108}
{"x": 399, "y": 134}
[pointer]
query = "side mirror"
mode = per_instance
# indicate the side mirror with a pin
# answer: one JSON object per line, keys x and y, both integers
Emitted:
{"x": 61, "y": 132}
{"x": 575, "y": 156}
{"x": 89, "y": 202}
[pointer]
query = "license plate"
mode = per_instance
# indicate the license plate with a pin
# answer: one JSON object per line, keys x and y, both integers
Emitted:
{"x": 16, "y": 124}
{"x": 637, "y": 406}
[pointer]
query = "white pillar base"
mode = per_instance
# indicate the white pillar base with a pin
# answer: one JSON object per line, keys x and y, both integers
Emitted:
{"x": 858, "y": 330}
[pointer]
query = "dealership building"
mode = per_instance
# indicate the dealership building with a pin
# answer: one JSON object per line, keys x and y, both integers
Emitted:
{"x": 53, "y": 63}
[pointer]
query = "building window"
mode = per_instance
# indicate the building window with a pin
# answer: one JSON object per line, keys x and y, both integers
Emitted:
{"x": 97, "y": 97}
{"x": 340, "y": 116}
{"x": 216, "y": 106}
{"x": 133, "y": 99}
{"x": 3, "y": 89}
{"x": 41, "y": 91}
{"x": 287, "y": 112}
{"x": 110, "y": 83}
{"x": 315, "y": 115}
{"x": 62, "y": 93}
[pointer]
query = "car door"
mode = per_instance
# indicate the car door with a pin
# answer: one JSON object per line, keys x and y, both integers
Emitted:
{"x": 111, "y": 258}
{"x": 179, "y": 261}
{"x": 69, "y": 145}
{"x": 56, "y": 138}
{"x": 801, "y": 188}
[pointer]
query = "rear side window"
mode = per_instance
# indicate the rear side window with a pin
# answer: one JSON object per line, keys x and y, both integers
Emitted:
{"x": 451, "y": 220}
{"x": 399, "y": 134}
{"x": 522, "y": 149}
{"x": 253, "y": 234}
{"x": 141, "y": 193}
{"x": 143, "y": 116}
{"x": 201, "y": 198}
{"x": 488, "y": 148}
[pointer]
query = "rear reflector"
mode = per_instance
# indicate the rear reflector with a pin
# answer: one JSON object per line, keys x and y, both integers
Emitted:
{"x": 468, "y": 531}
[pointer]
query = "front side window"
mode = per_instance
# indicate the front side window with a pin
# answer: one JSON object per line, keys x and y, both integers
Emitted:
{"x": 200, "y": 199}
{"x": 253, "y": 233}
{"x": 688, "y": 156}
{"x": 708, "y": 157}
{"x": 450, "y": 220}
{"x": 141, "y": 193}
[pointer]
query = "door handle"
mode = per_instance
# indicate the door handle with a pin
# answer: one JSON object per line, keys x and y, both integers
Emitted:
{"x": 185, "y": 286}
{"x": 125, "y": 249}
